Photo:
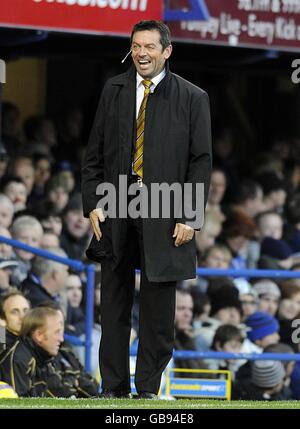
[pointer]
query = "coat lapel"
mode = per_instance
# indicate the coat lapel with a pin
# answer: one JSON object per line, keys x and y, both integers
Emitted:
{"x": 127, "y": 107}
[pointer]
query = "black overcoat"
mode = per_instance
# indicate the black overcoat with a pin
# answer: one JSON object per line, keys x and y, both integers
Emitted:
{"x": 177, "y": 149}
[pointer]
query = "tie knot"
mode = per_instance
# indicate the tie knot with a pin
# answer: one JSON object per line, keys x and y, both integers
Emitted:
{"x": 147, "y": 83}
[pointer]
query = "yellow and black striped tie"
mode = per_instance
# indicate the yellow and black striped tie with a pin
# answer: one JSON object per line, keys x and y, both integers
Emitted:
{"x": 140, "y": 128}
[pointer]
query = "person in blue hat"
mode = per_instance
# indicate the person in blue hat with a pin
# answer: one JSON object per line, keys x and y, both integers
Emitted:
{"x": 262, "y": 329}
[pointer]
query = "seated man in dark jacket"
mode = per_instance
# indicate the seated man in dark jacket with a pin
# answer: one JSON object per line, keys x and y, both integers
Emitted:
{"x": 69, "y": 367}
{"x": 30, "y": 365}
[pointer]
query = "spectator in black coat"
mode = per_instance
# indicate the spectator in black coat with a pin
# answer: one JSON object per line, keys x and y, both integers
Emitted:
{"x": 47, "y": 281}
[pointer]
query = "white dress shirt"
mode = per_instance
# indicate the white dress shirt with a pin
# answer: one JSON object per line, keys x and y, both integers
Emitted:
{"x": 140, "y": 89}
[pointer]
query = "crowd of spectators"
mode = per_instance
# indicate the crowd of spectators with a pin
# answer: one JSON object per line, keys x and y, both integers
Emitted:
{"x": 252, "y": 220}
{"x": 40, "y": 205}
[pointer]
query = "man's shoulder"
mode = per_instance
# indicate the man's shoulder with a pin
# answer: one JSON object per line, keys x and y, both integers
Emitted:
{"x": 34, "y": 291}
{"x": 119, "y": 79}
{"x": 187, "y": 85}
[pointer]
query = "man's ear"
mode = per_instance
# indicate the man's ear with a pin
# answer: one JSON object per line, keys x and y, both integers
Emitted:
{"x": 37, "y": 336}
{"x": 168, "y": 51}
{"x": 54, "y": 275}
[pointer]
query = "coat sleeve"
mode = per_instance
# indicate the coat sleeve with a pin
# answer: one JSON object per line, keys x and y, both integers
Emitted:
{"x": 17, "y": 372}
{"x": 92, "y": 168}
{"x": 200, "y": 162}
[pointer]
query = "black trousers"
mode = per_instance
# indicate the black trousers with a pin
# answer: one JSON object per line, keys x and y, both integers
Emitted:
{"x": 156, "y": 320}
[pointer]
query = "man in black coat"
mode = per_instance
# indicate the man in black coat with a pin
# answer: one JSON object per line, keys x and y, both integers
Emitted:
{"x": 151, "y": 127}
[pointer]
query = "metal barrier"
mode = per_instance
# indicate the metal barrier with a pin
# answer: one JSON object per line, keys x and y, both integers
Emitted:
{"x": 89, "y": 269}
{"x": 232, "y": 272}
{"x": 248, "y": 356}
{"x": 89, "y": 308}
{"x": 189, "y": 354}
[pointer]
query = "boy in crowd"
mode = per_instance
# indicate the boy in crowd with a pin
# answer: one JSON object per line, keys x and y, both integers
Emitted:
{"x": 225, "y": 309}
{"x": 228, "y": 339}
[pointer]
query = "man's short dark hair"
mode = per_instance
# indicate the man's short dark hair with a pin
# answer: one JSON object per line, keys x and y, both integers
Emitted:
{"x": 247, "y": 190}
{"x": 165, "y": 34}
{"x": 227, "y": 333}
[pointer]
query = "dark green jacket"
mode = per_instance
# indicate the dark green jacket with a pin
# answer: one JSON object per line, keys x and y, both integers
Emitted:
{"x": 32, "y": 372}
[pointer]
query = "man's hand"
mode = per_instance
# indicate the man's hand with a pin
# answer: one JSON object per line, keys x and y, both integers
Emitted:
{"x": 183, "y": 234}
{"x": 95, "y": 216}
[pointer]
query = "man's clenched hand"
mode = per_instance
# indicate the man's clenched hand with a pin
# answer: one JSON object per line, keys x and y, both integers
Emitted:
{"x": 183, "y": 234}
{"x": 97, "y": 216}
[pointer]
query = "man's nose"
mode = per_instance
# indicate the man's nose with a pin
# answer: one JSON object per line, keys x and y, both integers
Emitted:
{"x": 142, "y": 51}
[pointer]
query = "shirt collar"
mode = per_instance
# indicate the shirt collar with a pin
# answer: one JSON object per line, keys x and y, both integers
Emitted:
{"x": 155, "y": 80}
